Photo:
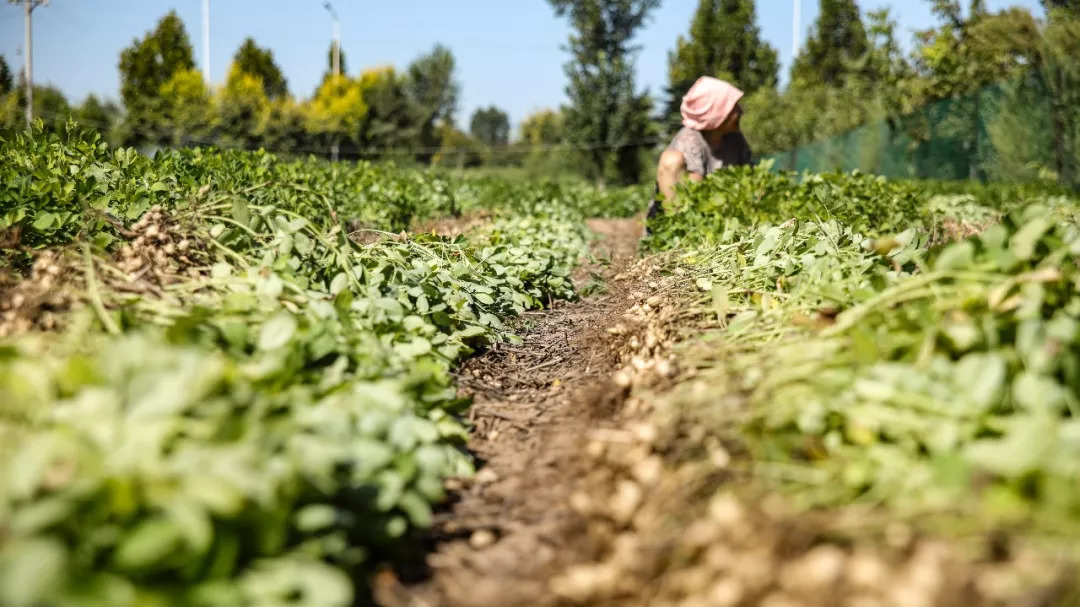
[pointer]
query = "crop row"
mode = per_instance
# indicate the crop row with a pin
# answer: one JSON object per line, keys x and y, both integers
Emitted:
{"x": 245, "y": 405}
{"x": 891, "y": 343}
{"x": 54, "y": 191}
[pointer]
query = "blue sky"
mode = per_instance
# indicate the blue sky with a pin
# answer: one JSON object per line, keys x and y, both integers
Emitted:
{"x": 509, "y": 52}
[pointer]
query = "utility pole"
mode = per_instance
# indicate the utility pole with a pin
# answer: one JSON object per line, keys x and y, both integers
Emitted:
{"x": 29, "y": 6}
{"x": 206, "y": 40}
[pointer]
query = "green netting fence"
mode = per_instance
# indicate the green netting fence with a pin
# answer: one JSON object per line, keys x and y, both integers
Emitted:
{"x": 1020, "y": 131}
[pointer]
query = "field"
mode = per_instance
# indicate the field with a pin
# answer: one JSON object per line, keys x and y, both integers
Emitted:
{"x": 229, "y": 378}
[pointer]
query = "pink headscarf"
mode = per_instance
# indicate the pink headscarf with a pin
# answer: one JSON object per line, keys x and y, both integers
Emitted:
{"x": 708, "y": 103}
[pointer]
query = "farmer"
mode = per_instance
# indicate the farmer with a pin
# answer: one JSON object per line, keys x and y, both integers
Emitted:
{"x": 709, "y": 140}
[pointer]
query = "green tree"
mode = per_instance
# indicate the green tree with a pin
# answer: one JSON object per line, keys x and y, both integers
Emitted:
{"x": 98, "y": 114}
{"x": 389, "y": 122}
{"x": 1070, "y": 5}
{"x": 7, "y": 79}
{"x": 149, "y": 63}
{"x": 544, "y": 128}
{"x": 185, "y": 112}
{"x": 50, "y": 106}
{"x": 433, "y": 95}
{"x": 457, "y": 149}
{"x": 337, "y": 111}
{"x": 240, "y": 108}
{"x": 608, "y": 119}
{"x": 542, "y": 147}
{"x": 968, "y": 52}
{"x": 145, "y": 67}
{"x": 837, "y": 41}
{"x": 884, "y": 69}
{"x": 283, "y": 129}
{"x": 724, "y": 42}
{"x": 259, "y": 62}
{"x": 1060, "y": 75}
{"x": 490, "y": 126}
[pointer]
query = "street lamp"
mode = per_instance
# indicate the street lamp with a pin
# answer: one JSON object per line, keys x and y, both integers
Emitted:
{"x": 337, "y": 38}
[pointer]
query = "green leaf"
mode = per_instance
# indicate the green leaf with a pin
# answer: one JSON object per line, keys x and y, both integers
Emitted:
{"x": 1038, "y": 393}
{"x": 472, "y": 331}
{"x": 149, "y": 543}
{"x": 31, "y": 572}
{"x": 490, "y": 320}
{"x": 44, "y": 221}
{"x": 416, "y": 508}
{"x": 416, "y": 347}
{"x": 194, "y": 524}
{"x": 221, "y": 270}
{"x": 240, "y": 211}
{"x": 277, "y": 331}
{"x": 1023, "y": 242}
{"x": 391, "y": 306}
{"x": 339, "y": 282}
{"x": 956, "y": 256}
{"x": 982, "y": 376}
{"x": 315, "y": 517}
{"x": 1023, "y": 448}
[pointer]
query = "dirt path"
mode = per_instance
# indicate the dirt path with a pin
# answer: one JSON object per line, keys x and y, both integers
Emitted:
{"x": 512, "y": 528}
{"x": 589, "y": 493}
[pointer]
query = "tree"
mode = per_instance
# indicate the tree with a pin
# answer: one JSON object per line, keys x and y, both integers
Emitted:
{"x": 542, "y": 147}
{"x": 837, "y": 41}
{"x": 543, "y": 128}
{"x": 457, "y": 149}
{"x": 389, "y": 119}
{"x": 607, "y": 118}
{"x": 97, "y": 114}
{"x": 490, "y": 126}
{"x": 7, "y": 80}
{"x": 148, "y": 64}
{"x": 337, "y": 111}
{"x": 145, "y": 67}
{"x": 1070, "y": 5}
{"x": 185, "y": 110}
{"x": 259, "y": 62}
{"x": 966, "y": 53}
{"x": 282, "y": 129}
{"x": 241, "y": 106}
{"x": 884, "y": 68}
{"x": 50, "y": 105}
{"x": 433, "y": 95}
{"x": 724, "y": 42}
{"x": 1060, "y": 75}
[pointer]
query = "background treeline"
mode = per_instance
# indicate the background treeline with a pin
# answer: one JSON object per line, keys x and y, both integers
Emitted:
{"x": 988, "y": 95}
